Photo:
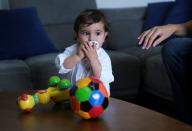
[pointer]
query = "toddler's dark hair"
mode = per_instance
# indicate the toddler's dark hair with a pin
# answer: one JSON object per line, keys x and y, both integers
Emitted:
{"x": 88, "y": 17}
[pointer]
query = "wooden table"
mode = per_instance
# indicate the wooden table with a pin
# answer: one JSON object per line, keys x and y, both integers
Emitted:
{"x": 120, "y": 116}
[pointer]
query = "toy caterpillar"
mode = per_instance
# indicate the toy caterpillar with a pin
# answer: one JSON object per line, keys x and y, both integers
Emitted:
{"x": 88, "y": 97}
{"x": 57, "y": 91}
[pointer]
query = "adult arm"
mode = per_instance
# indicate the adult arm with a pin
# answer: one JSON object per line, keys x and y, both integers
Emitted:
{"x": 184, "y": 29}
{"x": 154, "y": 36}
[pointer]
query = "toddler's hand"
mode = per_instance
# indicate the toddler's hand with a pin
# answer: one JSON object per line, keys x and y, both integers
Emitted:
{"x": 80, "y": 52}
{"x": 90, "y": 51}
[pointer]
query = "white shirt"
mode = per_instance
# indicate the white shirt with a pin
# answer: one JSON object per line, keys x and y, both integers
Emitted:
{"x": 80, "y": 70}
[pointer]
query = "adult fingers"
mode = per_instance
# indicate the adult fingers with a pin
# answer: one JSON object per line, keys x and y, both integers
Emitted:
{"x": 158, "y": 41}
{"x": 146, "y": 43}
{"x": 142, "y": 36}
{"x": 152, "y": 39}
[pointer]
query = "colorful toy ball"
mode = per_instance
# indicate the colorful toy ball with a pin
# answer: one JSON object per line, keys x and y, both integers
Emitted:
{"x": 89, "y": 98}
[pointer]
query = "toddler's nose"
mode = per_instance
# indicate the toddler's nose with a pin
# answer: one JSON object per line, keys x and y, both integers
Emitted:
{"x": 91, "y": 37}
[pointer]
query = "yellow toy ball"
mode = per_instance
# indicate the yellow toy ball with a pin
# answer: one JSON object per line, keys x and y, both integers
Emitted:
{"x": 26, "y": 102}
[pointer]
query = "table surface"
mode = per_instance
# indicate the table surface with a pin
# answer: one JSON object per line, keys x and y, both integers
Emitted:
{"x": 120, "y": 116}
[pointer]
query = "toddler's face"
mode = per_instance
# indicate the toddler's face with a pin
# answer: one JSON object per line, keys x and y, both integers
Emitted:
{"x": 93, "y": 32}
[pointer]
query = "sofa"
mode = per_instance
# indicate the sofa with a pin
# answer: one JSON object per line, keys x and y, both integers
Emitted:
{"x": 136, "y": 71}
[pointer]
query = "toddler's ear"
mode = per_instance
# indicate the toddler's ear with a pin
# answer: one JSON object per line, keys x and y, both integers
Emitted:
{"x": 74, "y": 35}
{"x": 106, "y": 35}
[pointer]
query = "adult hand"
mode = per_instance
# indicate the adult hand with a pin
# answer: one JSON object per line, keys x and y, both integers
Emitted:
{"x": 155, "y": 35}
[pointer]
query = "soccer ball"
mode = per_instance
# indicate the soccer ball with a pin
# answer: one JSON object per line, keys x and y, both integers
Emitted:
{"x": 89, "y": 98}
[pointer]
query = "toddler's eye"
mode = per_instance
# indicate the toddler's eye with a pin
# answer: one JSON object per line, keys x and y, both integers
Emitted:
{"x": 98, "y": 33}
{"x": 84, "y": 33}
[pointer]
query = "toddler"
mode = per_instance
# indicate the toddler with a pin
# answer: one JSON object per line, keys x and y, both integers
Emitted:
{"x": 87, "y": 58}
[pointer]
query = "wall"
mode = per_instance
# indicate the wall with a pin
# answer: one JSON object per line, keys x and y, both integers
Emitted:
{"x": 108, "y": 3}
{"x": 124, "y": 3}
{"x": 3, "y": 4}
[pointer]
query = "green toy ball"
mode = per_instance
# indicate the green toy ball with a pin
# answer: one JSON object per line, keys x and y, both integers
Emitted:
{"x": 54, "y": 80}
{"x": 64, "y": 84}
